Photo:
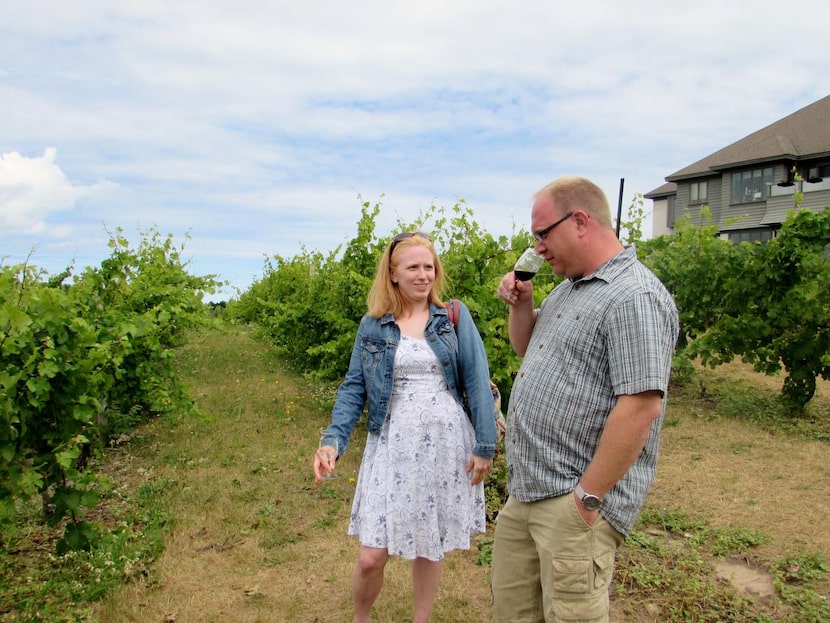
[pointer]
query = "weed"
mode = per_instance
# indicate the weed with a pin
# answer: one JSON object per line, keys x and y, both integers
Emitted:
{"x": 672, "y": 520}
{"x": 734, "y": 539}
{"x": 485, "y": 551}
{"x": 677, "y": 584}
{"x": 801, "y": 568}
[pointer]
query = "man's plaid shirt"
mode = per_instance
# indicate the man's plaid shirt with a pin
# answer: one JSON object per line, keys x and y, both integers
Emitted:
{"x": 607, "y": 334}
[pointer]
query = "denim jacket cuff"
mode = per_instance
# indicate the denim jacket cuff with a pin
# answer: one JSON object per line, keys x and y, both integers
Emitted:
{"x": 485, "y": 450}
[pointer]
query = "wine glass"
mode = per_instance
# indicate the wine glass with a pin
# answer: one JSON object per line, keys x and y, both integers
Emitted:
{"x": 330, "y": 442}
{"x": 528, "y": 264}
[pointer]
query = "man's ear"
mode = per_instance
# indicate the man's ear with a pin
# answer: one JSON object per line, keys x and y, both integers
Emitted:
{"x": 581, "y": 218}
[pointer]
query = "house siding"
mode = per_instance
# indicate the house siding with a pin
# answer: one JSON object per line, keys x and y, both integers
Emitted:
{"x": 714, "y": 195}
{"x": 815, "y": 197}
{"x": 660, "y": 218}
{"x": 751, "y": 214}
{"x": 716, "y": 198}
{"x": 817, "y": 201}
{"x": 742, "y": 216}
{"x": 729, "y": 217}
{"x": 777, "y": 208}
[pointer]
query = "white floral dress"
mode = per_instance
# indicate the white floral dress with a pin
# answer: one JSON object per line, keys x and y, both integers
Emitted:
{"x": 413, "y": 494}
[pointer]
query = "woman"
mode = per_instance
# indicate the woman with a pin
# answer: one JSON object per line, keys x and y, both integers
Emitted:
{"x": 420, "y": 490}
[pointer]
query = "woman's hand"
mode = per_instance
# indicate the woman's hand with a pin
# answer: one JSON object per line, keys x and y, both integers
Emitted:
{"x": 323, "y": 463}
{"x": 478, "y": 467}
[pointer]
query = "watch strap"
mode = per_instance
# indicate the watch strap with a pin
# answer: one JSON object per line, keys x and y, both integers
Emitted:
{"x": 582, "y": 494}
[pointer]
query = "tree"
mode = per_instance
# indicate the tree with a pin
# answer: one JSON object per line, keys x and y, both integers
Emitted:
{"x": 768, "y": 304}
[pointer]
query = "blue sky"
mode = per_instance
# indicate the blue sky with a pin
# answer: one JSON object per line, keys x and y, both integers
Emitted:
{"x": 257, "y": 127}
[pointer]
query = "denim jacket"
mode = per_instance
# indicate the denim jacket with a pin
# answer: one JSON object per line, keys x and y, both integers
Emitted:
{"x": 368, "y": 381}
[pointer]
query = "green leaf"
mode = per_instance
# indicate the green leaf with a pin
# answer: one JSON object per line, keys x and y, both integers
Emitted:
{"x": 7, "y": 452}
{"x": 78, "y": 536}
{"x": 16, "y": 319}
{"x": 48, "y": 368}
{"x": 66, "y": 458}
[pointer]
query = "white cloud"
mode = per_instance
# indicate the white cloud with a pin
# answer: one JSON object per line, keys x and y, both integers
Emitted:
{"x": 33, "y": 188}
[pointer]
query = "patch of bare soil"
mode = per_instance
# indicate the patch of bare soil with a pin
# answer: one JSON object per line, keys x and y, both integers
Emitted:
{"x": 746, "y": 578}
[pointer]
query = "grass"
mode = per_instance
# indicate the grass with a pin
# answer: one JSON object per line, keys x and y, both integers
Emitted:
{"x": 214, "y": 516}
{"x": 38, "y": 585}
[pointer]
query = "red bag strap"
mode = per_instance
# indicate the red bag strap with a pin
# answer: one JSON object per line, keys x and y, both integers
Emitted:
{"x": 452, "y": 311}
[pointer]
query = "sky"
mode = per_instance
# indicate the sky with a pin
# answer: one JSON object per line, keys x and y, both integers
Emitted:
{"x": 251, "y": 129}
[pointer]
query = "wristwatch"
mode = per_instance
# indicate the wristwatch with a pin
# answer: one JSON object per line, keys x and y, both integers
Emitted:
{"x": 590, "y": 501}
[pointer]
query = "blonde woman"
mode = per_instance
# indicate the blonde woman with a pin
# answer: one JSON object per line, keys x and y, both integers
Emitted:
{"x": 420, "y": 490}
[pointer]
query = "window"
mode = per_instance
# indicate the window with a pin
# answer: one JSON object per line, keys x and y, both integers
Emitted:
{"x": 748, "y": 186}
{"x": 751, "y": 235}
{"x": 698, "y": 192}
{"x": 671, "y": 214}
{"x": 818, "y": 173}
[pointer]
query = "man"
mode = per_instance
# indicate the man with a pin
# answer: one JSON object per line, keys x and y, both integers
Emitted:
{"x": 585, "y": 411}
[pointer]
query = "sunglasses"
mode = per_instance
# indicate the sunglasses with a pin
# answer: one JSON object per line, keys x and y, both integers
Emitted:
{"x": 405, "y": 236}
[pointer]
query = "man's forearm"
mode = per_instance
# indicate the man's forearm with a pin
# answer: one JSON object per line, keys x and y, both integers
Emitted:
{"x": 623, "y": 438}
{"x": 520, "y": 325}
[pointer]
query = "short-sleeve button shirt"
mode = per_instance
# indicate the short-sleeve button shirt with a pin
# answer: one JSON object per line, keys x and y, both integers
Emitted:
{"x": 607, "y": 334}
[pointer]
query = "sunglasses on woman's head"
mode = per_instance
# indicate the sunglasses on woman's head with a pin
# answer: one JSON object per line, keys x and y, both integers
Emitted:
{"x": 405, "y": 236}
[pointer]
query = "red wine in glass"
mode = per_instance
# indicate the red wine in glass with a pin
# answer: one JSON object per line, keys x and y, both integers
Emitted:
{"x": 528, "y": 265}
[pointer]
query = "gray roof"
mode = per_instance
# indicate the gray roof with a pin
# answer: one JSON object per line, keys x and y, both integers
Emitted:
{"x": 669, "y": 188}
{"x": 803, "y": 134}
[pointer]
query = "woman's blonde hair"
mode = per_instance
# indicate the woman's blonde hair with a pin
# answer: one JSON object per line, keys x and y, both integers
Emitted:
{"x": 384, "y": 296}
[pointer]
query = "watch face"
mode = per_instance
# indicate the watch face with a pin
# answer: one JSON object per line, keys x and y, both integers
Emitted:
{"x": 590, "y": 502}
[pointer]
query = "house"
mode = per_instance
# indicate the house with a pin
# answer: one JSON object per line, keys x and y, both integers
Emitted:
{"x": 749, "y": 185}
